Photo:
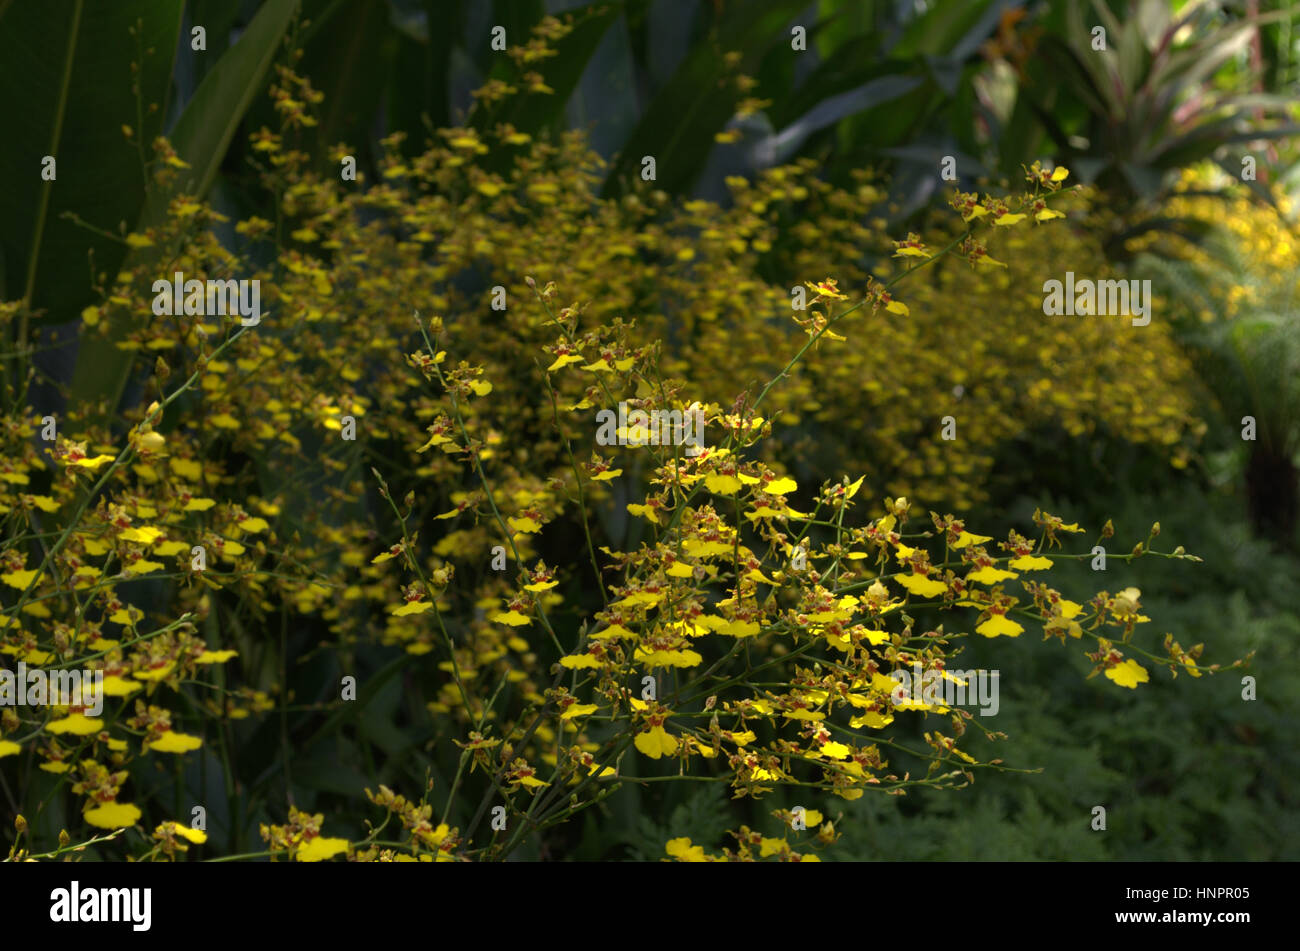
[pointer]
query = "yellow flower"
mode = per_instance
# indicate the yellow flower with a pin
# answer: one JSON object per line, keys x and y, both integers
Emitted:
{"x": 682, "y": 850}
{"x": 185, "y": 832}
{"x": 215, "y": 657}
{"x": 1128, "y": 674}
{"x": 512, "y": 617}
{"x": 911, "y": 248}
{"x": 722, "y": 484}
{"x": 673, "y": 658}
{"x": 921, "y": 586}
{"x": 563, "y": 361}
{"x": 320, "y": 848}
{"x": 120, "y": 687}
{"x": 144, "y": 566}
{"x": 173, "y": 742}
{"x": 656, "y": 742}
{"x": 93, "y": 463}
{"x": 77, "y": 724}
{"x": 998, "y": 625}
{"x": 1031, "y": 563}
{"x": 578, "y": 710}
{"x": 827, "y": 289}
{"x": 19, "y": 579}
{"x": 525, "y": 525}
{"x": 145, "y": 536}
{"x": 112, "y": 815}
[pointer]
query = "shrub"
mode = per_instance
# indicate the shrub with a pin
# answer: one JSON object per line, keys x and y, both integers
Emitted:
{"x": 566, "y": 612}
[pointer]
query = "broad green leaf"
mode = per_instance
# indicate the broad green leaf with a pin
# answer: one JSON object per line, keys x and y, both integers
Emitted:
{"x": 348, "y": 51}
{"x": 948, "y": 26}
{"x": 201, "y": 138}
{"x": 678, "y": 127}
{"x": 530, "y": 112}
{"x": 871, "y": 95}
{"x": 422, "y": 74}
{"x": 517, "y": 17}
{"x": 66, "y": 73}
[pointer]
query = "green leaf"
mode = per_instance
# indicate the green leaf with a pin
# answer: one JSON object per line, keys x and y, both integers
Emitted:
{"x": 872, "y": 95}
{"x": 66, "y": 72}
{"x": 531, "y": 112}
{"x": 348, "y": 51}
{"x": 210, "y": 120}
{"x": 218, "y": 18}
{"x": 678, "y": 127}
{"x": 945, "y": 26}
{"x": 422, "y": 72}
{"x": 518, "y": 17}
{"x": 201, "y": 137}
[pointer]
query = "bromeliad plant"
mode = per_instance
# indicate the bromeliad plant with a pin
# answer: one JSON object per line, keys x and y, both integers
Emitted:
{"x": 286, "y": 501}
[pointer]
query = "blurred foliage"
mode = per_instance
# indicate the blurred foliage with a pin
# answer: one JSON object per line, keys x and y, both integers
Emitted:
{"x": 1234, "y": 301}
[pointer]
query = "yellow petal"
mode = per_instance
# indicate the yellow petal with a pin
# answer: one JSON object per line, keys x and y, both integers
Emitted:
{"x": 1128, "y": 674}
{"x": 922, "y": 586}
{"x": 112, "y": 815}
{"x": 320, "y": 848}
{"x": 990, "y": 575}
{"x": 215, "y": 657}
{"x": 1000, "y": 624}
{"x": 1031, "y": 563}
{"x": 77, "y": 724}
{"x": 173, "y": 742}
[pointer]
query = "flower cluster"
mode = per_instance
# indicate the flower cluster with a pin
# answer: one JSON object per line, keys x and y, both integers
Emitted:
{"x": 568, "y": 613}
